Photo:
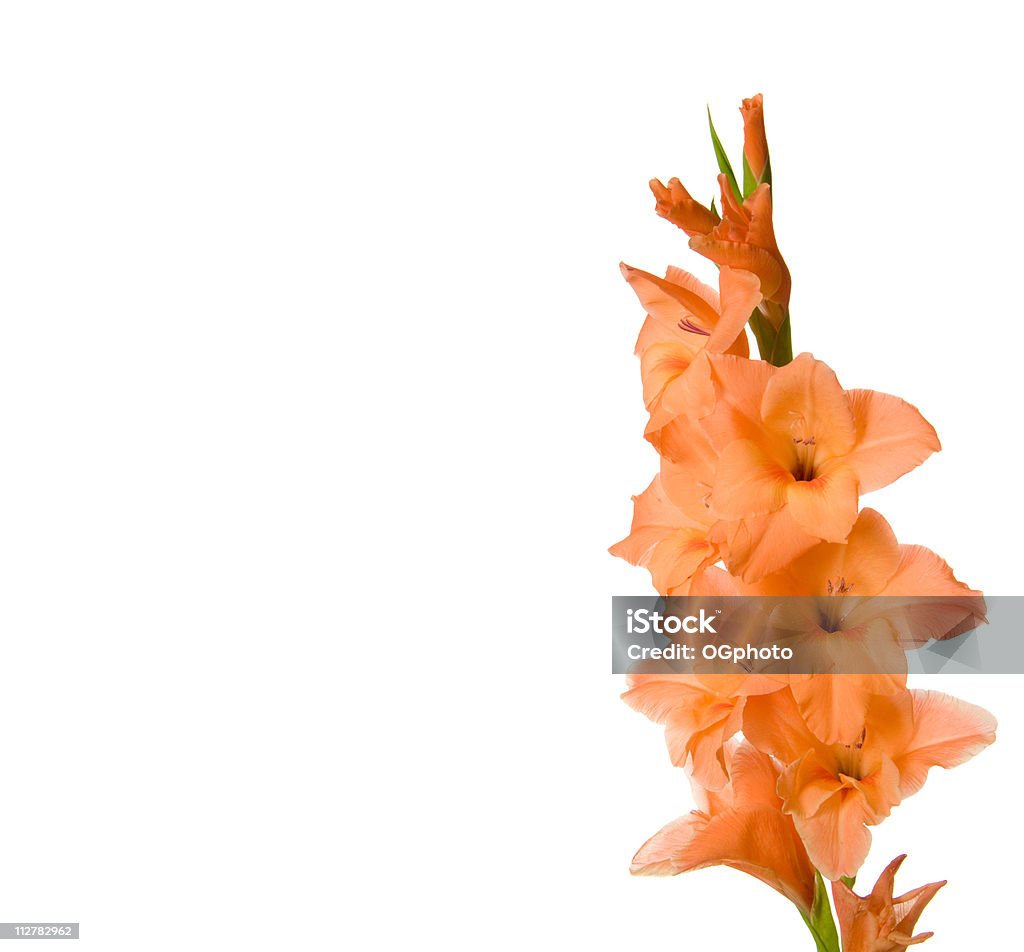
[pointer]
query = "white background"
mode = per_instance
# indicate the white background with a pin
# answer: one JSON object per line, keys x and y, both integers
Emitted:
{"x": 319, "y": 412}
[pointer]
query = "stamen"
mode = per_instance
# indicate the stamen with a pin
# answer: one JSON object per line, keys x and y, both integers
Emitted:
{"x": 834, "y": 614}
{"x": 687, "y": 325}
{"x": 805, "y": 449}
{"x": 841, "y": 587}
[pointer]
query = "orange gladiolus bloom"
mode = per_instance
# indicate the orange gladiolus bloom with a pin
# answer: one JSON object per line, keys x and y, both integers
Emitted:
{"x": 700, "y": 713}
{"x": 685, "y": 319}
{"x": 835, "y": 791}
{"x": 664, "y": 539}
{"x": 741, "y": 826}
{"x": 692, "y": 315}
{"x": 795, "y": 452}
{"x": 878, "y": 922}
{"x": 874, "y": 600}
{"x": 869, "y": 562}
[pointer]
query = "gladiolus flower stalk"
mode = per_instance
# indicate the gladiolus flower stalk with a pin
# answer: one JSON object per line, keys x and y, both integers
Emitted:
{"x": 763, "y": 463}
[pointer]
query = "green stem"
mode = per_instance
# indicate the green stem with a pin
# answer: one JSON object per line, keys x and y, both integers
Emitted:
{"x": 820, "y": 922}
{"x": 774, "y": 344}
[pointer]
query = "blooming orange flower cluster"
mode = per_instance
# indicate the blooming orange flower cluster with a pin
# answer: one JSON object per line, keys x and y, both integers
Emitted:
{"x": 762, "y": 466}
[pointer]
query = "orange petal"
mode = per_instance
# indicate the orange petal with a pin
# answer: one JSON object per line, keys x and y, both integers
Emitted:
{"x": 665, "y": 540}
{"x": 663, "y": 362}
{"x": 671, "y": 304}
{"x": 698, "y": 722}
{"x": 835, "y": 706}
{"x": 696, "y": 737}
{"x": 773, "y": 724}
{"x": 673, "y": 203}
{"x": 805, "y": 402}
{"x": 694, "y": 285}
{"x": 827, "y": 505}
{"x": 744, "y": 257}
{"x": 741, "y": 292}
{"x": 947, "y": 732}
{"x": 739, "y": 387}
{"x": 836, "y": 838}
{"x": 878, "y": 920}
{"x": 657, "y": 857}
{"x": 755, "y": 144}
{"x": 927, "y": 601}
{"x": 677, "y": 436}
{"x": 743, "y": 828}
{"x": 716, "y": 582}
{"x": 880, "y": 791}
{"x": 761, "y": 232}
{"x": 678, "y": 559}
{"x": 755, "y": 778}
{"x": 871, "y": 555}
{"x": 866, "y": 562}
{"x": 652, "y": 332}
{"x": 892, "y": 438}
{"x": 655, "y": 518}
{"x": 748, "y": 482}
{"x": 687, "y": 484}
{"x": 808, "y": 785}
{"x": 921, "y": 572}
{"x": 758, "y": 841}
{"x": 908, "y": 909}
{"x": 656, "y": 696}
{"x": 691, "y": 395}
{"x": 752, "y": 548}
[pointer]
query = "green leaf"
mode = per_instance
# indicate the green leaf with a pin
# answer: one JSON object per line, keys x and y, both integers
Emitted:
{"x": 848, "y": 881}
{"x": 724, "y": 166}
{"x": 714, "y": 211}
{"x": 820, "y": 922}
{"x": 749, "y": 182}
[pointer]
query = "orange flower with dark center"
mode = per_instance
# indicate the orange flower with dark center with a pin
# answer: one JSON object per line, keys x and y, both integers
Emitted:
{"x": 863, "y": 603}
{"x": 835, "y": 791}
{"x": 792, "y": 442}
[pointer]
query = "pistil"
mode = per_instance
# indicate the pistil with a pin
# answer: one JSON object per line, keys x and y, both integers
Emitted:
{"x": 805, "y": 447}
